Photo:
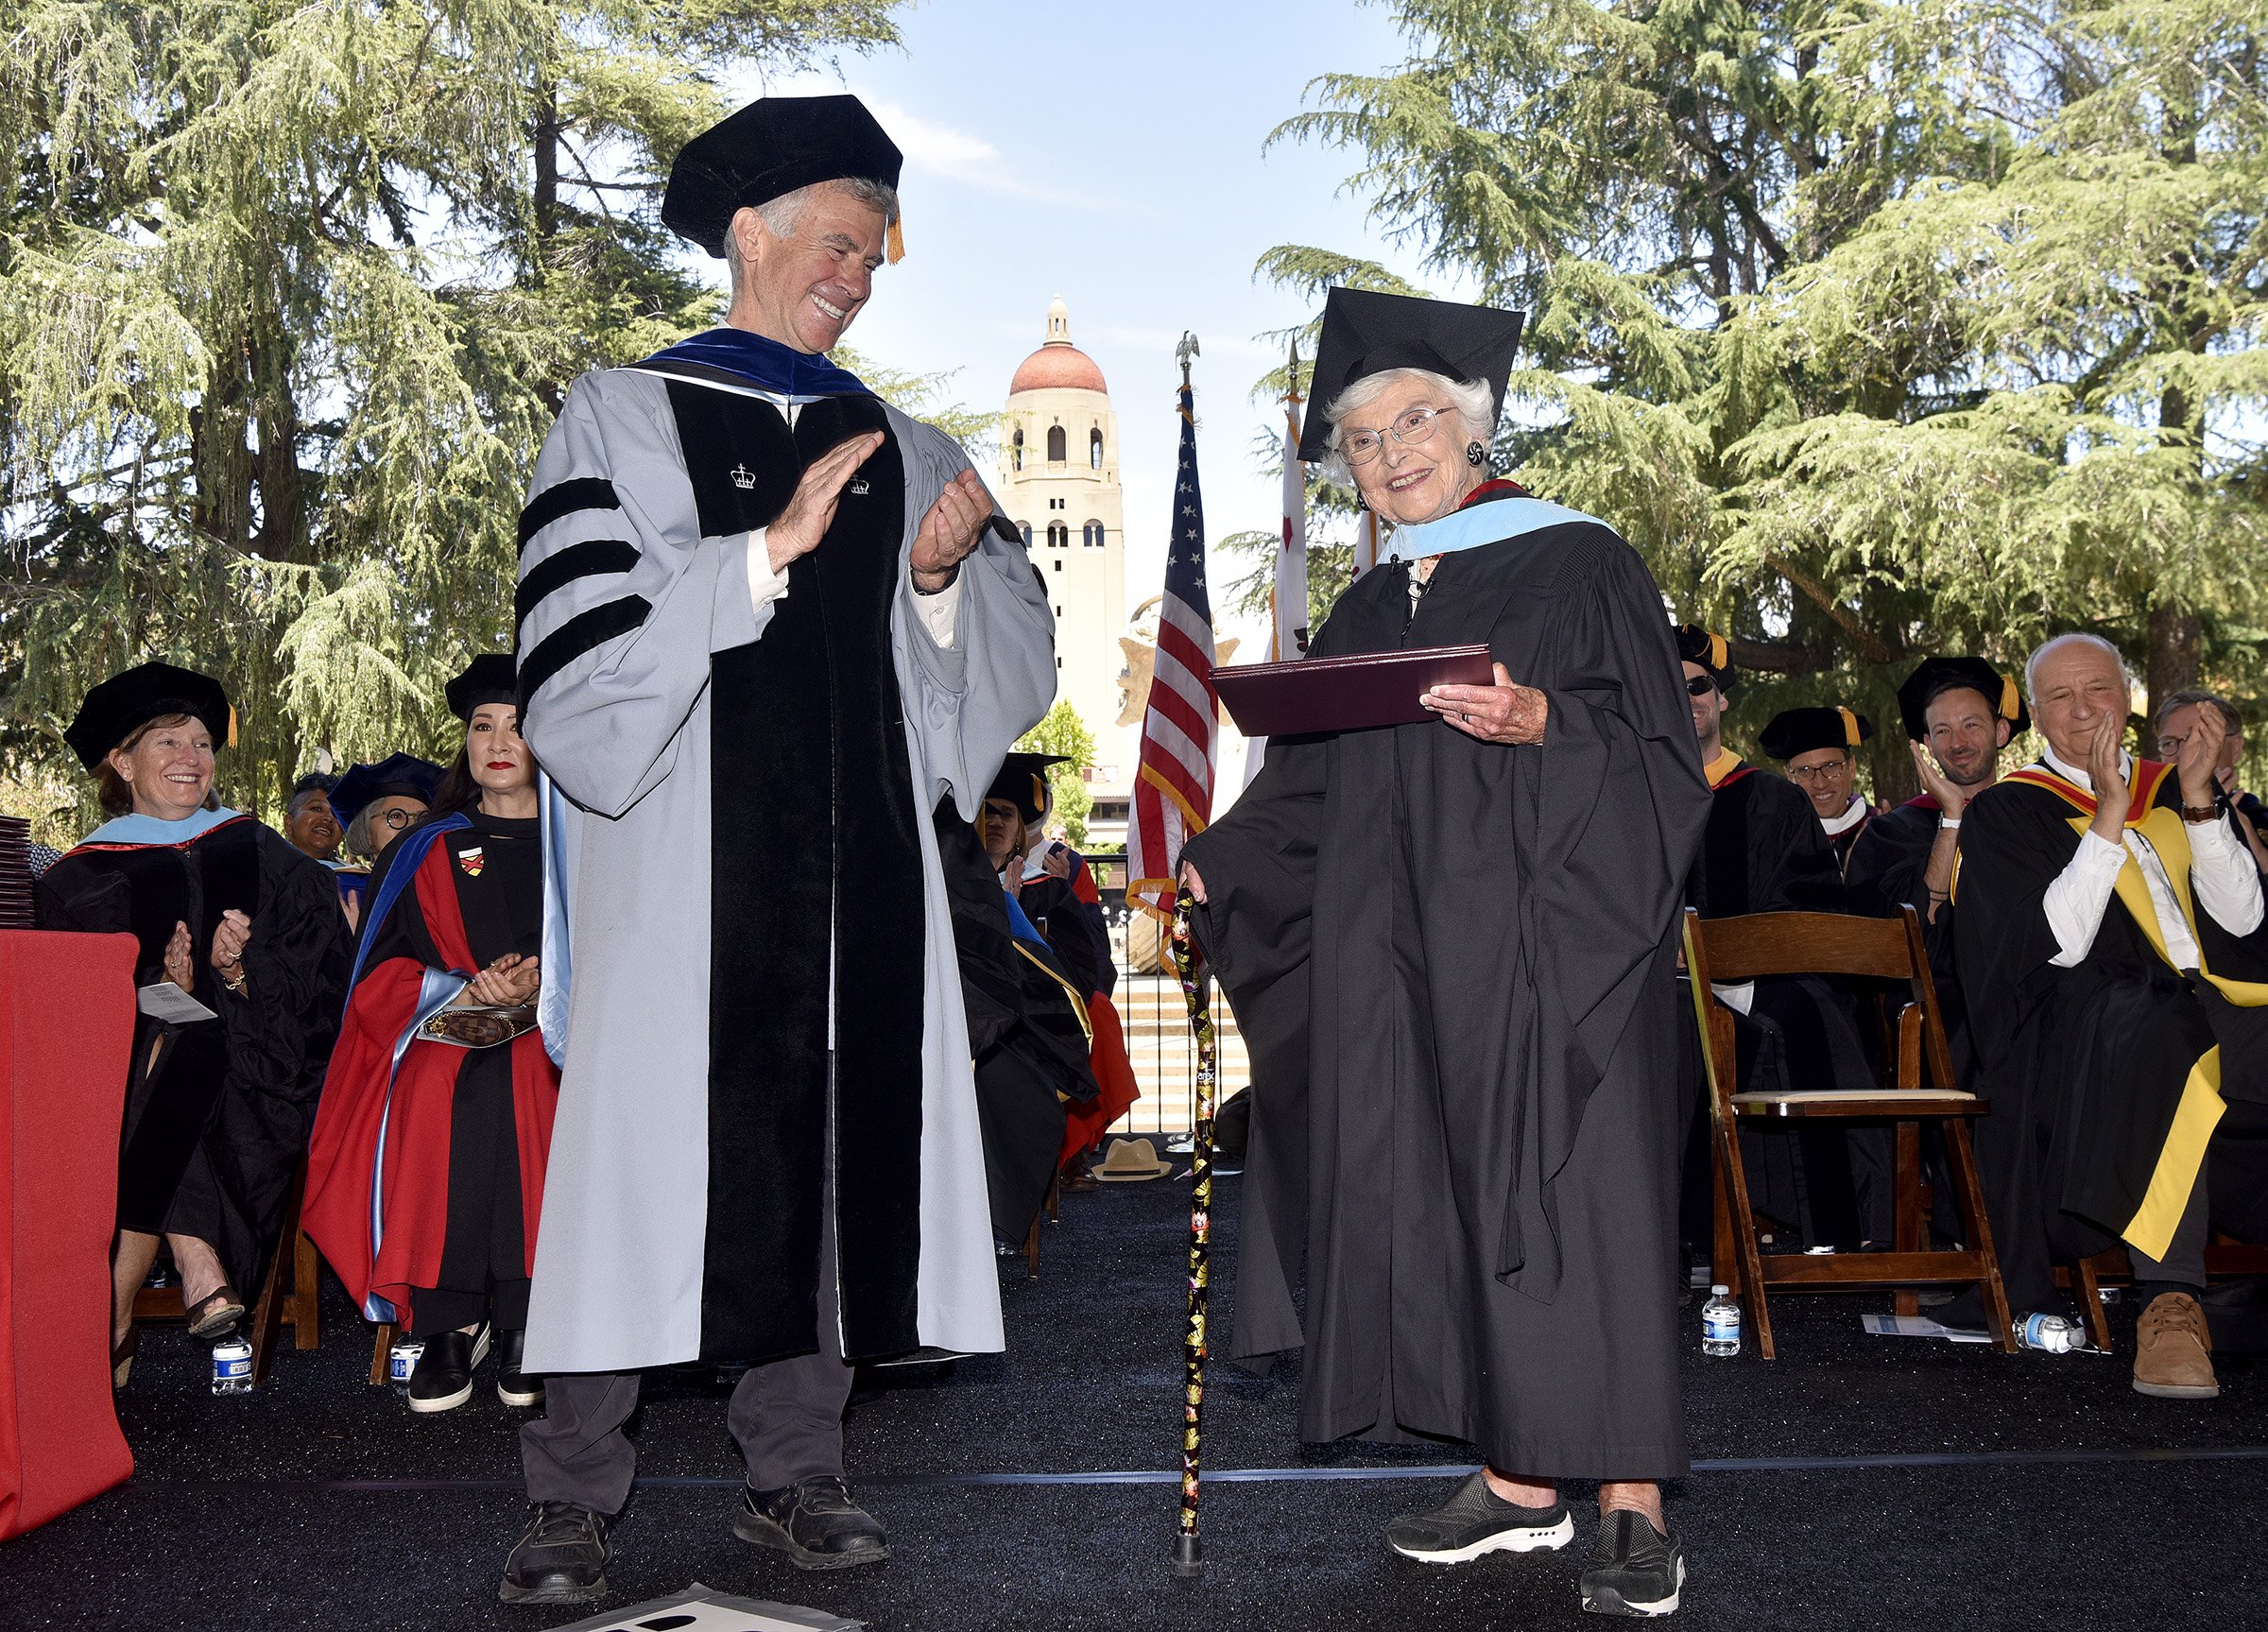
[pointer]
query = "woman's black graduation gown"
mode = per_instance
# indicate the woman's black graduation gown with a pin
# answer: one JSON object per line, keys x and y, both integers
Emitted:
{"x": 1452, "y": 962}
{"x": 213, "y": 1132}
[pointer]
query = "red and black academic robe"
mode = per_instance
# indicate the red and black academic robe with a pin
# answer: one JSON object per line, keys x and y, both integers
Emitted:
{"x": 1069, "y": 912}
{"x": 1764, "y": 850}
{"x": 426, "y": 1169}
{"x": 2114, "y": 1083}
{"x": 216, "y": 1110}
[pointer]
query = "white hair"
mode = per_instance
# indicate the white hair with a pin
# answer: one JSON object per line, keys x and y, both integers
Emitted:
{"x": 1472, "y": 401}
{"x": 2078, "y": 637}
{"x": 783, "y": 214}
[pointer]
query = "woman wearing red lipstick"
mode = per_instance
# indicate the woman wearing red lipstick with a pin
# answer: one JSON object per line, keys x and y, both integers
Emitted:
{"x": 425, "y": 1178}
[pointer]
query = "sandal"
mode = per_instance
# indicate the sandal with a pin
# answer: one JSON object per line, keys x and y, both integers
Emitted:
{"x": 122, "y": 1356}
{"x": 211, "y": 1315}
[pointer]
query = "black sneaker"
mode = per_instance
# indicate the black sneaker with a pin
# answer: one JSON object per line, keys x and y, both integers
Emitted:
{"x": 814, "y": 1521}
{"x": 444, "y": 1378}
{"x": 1634, "y": 1569}
{"x": 1476, "y": 1521}
{"x": 559, "y": 1558}
{"x": 513, "y": 1386}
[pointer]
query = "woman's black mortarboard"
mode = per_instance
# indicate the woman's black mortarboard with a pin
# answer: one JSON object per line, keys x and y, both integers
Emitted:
{"x": 768, "y": 149}
{"x": 1802, "y": 730}
{"x": 398, "y": 776}
{"x": 489, "y": 679}
{"x": 1365, "y": 333}
{"x": 114, "y": 710}
{"x": 1022, "y": 781}
{"x": 1938, "y": 676}
{"x": 1697, "y": 645}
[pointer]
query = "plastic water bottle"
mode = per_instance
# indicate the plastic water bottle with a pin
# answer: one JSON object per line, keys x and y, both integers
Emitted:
{"x": 233, "y": 1365}
{"x": 2051, "y": 1333}
{"x": 1721, "y": 1323}
{"x": 403, "y": 1359}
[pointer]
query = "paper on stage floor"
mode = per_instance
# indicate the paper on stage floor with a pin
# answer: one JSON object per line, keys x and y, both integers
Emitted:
{"x": 700, "y": 1609}
{"x": 168, "y": 1002}
{"x": 1920, "y": 1326}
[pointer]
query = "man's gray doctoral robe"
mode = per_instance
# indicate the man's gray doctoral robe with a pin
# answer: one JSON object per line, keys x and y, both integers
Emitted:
{"x": 764, "y": 971}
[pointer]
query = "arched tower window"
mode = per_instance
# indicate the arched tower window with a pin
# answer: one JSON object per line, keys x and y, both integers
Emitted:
{"x": 1058, "y": 445}
{"x": 1092, "y": 535}
{"x": 1027, "y": 535}
{"x": 1058, "y": 535}
{"x": 1015, "y": 459}
{"x": 1094, "y": 448}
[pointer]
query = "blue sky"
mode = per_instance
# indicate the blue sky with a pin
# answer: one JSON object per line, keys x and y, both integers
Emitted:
{"x": 1112, "y": 155}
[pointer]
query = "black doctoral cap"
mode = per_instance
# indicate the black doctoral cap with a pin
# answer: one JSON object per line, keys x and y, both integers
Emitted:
{"x": 1365, "y": 333}
{"x": 1800, "y": 731}
{"x": 398, "y": 776}
{"x": 1697, "y": 645}
{"x": 1022, "y": 781}
{"x": 768, "y": 149}
{"x": 1938, "y": 676}
{"x": 489, "y": 679}
{"x": 114, "y": 710}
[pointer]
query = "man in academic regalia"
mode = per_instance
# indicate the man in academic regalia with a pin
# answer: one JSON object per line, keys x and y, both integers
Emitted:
{"x": 767, "y": 624}
{"x": 1765, "y": 851}
{"x": 2110, "y": 943}
{"x": 1450, "y": 949}
{"x": 1960, "y": 713}
{"x": 1820, "y": 748}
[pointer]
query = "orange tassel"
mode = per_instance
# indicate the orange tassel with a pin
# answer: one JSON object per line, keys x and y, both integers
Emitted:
{"x": 894, "y": 244}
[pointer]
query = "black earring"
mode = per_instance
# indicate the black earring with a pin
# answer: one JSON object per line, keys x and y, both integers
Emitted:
{"x": 1476, "y": 454}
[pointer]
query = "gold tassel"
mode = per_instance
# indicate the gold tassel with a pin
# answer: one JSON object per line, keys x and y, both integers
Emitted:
{"x": 1850, "y": 726}
{"x": 894, "y": 243}
{"x": 232, "y": 742}
{"x": 1717, "y": 652}
{"x": 2008, "y": 700}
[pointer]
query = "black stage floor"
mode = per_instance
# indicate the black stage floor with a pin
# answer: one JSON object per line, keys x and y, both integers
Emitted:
{"x": 1855, "y": 1482}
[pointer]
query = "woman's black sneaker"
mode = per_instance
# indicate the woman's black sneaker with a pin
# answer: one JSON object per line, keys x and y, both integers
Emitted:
{"x": 814, "y": 1521}
{"x": 1634, "y": 1569}
{"x": 513, "y": 1386}
{"x": 444, "y": 1378}
{"x": 1476, "y": 1521}
{"x": 559, "y": 1558}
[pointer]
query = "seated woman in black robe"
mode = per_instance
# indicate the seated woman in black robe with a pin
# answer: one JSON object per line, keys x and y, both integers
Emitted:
{"x": 217, "y": 1102}
{"x": 1451, "y": 949}
{"x": 425, "y": 1177}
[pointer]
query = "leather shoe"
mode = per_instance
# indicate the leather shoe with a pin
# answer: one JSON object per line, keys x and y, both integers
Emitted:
{"x": 2172, "y": 1358}
{"x": 513, "y": 1386}
{"x": 444, "y": 1378}
{"x": 559, "y": 1558}
{"x": 814, "y": 1521}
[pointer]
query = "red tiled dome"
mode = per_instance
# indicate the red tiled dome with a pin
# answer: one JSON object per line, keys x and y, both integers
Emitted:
{"x": 1059, "y": 365}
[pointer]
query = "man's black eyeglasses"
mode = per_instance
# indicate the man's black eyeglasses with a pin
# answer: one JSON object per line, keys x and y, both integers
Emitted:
{"x": 1699, "y": 686}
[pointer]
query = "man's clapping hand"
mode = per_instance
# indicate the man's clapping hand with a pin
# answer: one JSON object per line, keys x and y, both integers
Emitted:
{"x": 507, "y": 982}
{"x": 811, "y": 512}
{"x": 2109, "y": 776}
{"x": 950, "y": 531}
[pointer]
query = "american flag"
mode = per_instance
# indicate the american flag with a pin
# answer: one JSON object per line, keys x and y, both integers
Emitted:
{"x": 1172, "y": 790}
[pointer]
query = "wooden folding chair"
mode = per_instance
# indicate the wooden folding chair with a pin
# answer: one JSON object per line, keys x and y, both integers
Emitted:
{"x": 295, "y": 1302}
{"x": 2225, "y": 1259}
{"x": 1730, "y": 949}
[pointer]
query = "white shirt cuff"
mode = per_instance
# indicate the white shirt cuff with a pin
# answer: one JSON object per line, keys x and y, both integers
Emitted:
{"x": 2222, "y": 873}
{"x": 940, "y": 612}
{"x": 764, "y": 585}
{"x": 2076, "y": 899}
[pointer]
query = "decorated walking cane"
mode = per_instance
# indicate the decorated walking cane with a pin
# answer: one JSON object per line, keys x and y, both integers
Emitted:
{"x": 1188, "y": 1553}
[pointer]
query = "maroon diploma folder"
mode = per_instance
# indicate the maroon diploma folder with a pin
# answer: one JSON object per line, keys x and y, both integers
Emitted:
{"x": 1346, "y": 694}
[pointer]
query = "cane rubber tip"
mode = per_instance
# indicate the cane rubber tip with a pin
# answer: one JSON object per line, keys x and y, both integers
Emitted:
{"x": 1188, "y": 1555}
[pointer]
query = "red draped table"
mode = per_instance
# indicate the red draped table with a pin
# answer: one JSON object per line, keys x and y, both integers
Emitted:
{"x": 66, "y": 1030}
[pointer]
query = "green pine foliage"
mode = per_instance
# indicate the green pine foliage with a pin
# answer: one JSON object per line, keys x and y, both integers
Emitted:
{"x": 1063, "y": 732}
{"x": 289, "y": 295}
{"x": 1881, "y": 327}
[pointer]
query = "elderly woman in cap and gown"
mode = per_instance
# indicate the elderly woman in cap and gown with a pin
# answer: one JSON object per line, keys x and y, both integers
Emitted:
{"x": 425, "y": 1175}
{"x": 219, "y": 1097}
{"x": 1449, "y": 947}
{"x": 767, "y": 625}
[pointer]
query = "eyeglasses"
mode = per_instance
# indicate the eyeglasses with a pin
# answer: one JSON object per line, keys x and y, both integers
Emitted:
{"x": 396, "y": 818}
{"x": 1360, "y": 447}
{"x": 1699, "y": 686}
{"x": 2169, "y": 747}
{"x": 1817, "y": 773}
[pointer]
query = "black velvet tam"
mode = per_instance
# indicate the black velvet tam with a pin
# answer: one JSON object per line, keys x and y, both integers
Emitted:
{"x": 1022, "y": 781}
{"x": 1365, "y": 333}
{"x": 114, "y": 710}
{"x": 404, "y": 776}
{"x": 1938, "y": 676}
{"x": 1697, "y": 645}
{"x": 1800, "y": 731}
{"x": 766, "y": 150}
{"x": 489, "y": 679}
